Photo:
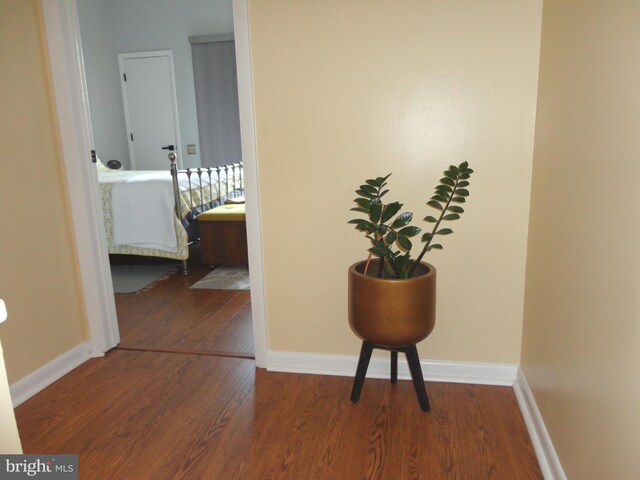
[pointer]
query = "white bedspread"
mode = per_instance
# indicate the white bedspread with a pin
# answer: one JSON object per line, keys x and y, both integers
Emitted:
{"x": 143, "y": 211}
{"x": 140, "y": 207}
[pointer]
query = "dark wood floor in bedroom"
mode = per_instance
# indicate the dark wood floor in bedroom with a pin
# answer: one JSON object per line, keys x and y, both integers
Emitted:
{"x": 153, "y": 415}
{"x": 173, "y": 317}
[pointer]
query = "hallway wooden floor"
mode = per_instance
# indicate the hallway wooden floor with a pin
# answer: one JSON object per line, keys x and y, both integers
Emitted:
{"x": 173, "y": 317}
{"x": 150, "y": 415}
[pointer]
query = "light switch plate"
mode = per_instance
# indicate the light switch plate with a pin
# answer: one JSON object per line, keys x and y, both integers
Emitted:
{"x": 191, "y": 149}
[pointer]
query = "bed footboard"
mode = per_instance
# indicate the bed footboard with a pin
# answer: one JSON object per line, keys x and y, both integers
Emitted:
{"x": 196, "y": 190}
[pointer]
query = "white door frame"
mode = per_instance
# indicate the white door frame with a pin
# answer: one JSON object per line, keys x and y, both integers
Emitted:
{"x": 174, "y": 100}
{"x": 74, "y": 122}
{"x": 76, "y": 138}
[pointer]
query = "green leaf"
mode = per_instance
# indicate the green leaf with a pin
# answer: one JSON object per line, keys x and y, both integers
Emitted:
{"x": 463, "y": 192}
{"x": 401, "y": 265}
{"x": 378, "y": 243}
{"x": 369, "y": 189}
{"x": 362, "y": 225}
{"x": 363, "y": 203}
{"x": 365, "y": 226}
{"x": 383, "y": 193}
{"x": 426, "y": 237}
{"x": 435, "y": 246}
{"x": 373, "y": 183}
{"x": 464, "y": 176}
{"x": 380, "y": 252}
{"x": 375, "y": 210}
{"x": 404, "y": 243}
{"x": 463, "y": 183}
{"x": 434, "y": 204}
{"x": 359, "y": 209}
{"x": 382, "y": 229}
{"x": 453, "y": 169}
{"x": 402, "y": 220}
{"x": 444, "y": 231}
{"x": 440, "y": 198}
{"x": 390, "y": 210}
{"x": 468, "y": 171}
{"x": 450, "y": 174}
{"x": 463, "y": 165}
{"x": 455, "y": 208}
{"x": 444, "y": 189}
{"x": 362, "y": 193}
{"x": 458, "y": 199}
{"x": 447, "y": 181}
{"x": 391, "y": 237}
{"x": 451, "y": 216}
{"x": 381, "y": 180}
{"x": 431, "y": 219}
{"x": 409, "y": 231}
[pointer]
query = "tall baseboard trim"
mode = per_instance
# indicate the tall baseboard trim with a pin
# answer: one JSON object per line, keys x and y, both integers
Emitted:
{"x": 33, "y": 383}
{"x": 436, "y": 371}
{"x": 546, "y": 453}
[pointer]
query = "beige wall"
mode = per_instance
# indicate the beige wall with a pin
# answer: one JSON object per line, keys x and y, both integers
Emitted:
{"x": 581, "y": 341}
{"x": 38, "y": 274}
{"x": 349, "y": 90}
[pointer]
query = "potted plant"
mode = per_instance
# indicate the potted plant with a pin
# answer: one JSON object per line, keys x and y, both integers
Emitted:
{"x": 392, "y": 296}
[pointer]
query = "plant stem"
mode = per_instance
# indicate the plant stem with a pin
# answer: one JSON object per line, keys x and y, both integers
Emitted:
{"x": 380, "y": 267}
{"x": 435, "y": 229}
{"x": 366, "y": 265}
{"x": 394, "y": 271}
{"x": 379, "y": 236}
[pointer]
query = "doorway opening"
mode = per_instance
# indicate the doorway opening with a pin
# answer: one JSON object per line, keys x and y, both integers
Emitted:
{"x": 70, "y": 94}
{"x": 157, "y": 308}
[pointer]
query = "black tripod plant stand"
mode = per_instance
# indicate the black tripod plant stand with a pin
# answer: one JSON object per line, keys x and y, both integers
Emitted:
{"x": 410, "y": 351}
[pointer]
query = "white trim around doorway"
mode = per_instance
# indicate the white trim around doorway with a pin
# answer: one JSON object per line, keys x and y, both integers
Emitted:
{"x": 76, "y": 139}
{"x": 250, "y": 160}
{"x": 74, "y": 123}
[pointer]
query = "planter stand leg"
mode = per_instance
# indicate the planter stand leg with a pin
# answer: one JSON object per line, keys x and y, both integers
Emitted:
{"x": 416, "y": 374}
{"x": 361, "y": 372}
{"x": 414, "y": 366}
{"x": 394, "y": 367}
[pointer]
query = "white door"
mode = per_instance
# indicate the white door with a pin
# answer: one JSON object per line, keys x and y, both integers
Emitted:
{"x": 151, "y": 112}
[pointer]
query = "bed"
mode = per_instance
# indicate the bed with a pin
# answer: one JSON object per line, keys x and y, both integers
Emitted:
{"x": 140, "y": 211}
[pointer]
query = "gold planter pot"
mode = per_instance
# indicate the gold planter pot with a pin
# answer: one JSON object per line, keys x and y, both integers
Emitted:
{"x": 392, "y": 312}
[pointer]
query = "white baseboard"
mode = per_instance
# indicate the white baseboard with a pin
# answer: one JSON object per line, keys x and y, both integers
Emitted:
{"x": 36, "y": 381}
{"x": 546, "y": 453}
{"x": 379, "y": 367}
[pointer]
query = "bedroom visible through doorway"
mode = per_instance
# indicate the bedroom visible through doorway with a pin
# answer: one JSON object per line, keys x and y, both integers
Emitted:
{"x": 166, "y": 313}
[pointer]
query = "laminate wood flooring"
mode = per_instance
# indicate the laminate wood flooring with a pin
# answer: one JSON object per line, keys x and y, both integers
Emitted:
{"x": 151, "y": 415}
{"x": 172, "y": 317}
